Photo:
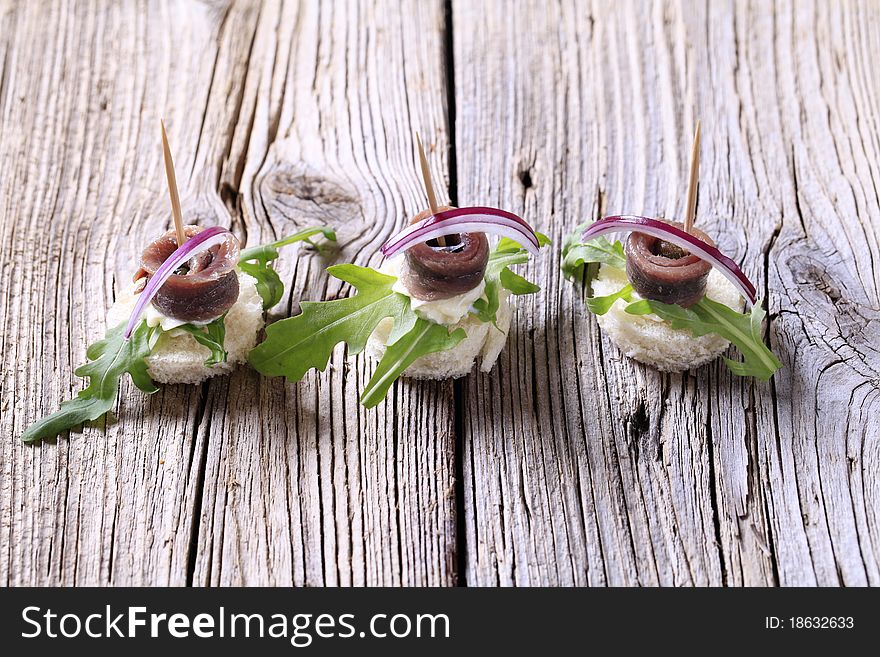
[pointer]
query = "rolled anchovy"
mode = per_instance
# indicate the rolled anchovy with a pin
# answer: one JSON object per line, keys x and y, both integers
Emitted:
{"x": 664, "y": 272}
{"x": 202, "y": 290}
{"x": 431, "y": 272}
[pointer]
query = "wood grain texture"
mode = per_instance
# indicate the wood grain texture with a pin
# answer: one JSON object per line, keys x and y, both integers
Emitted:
{"x": 568, "y": 464}
{"x": 302, "y": 485}
{"x": 82, "y": 95}
{"x": 590, "y": 468}
{"x": 280, "y": 115}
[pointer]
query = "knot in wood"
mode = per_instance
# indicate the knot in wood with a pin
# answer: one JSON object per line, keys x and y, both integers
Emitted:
{"x": 295, "y": 193}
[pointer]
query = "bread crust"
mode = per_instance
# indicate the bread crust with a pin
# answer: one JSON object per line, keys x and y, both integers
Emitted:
{"x": 483, "y": 343}
{"x": 178, "y": 358}
{"x": 650, "y": 340}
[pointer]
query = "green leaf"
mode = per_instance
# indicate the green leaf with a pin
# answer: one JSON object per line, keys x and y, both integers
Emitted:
{"x": 599, "y": 251}
{"x": 425, "y": 337}
{"x": 212, "y": 336}
{"x": 266, "y": 252}
{"x": 708, "y": 316}
{"x": 670, "y": 312}
{"x": 295, "y": 345}
{"x": 269, "y": 284}
{"x": 255, "y": 262}
{"x": 601, "y": 305}
{"x": 507, "y": 245}
{"x": 498, "y": 274}
{"x": 110, "y": 358}
{"x": 576, "y": 255}
{"x": 516, "y": 283}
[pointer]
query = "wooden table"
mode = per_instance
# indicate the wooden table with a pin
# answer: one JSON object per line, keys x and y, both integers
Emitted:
{"x": 568, "y": 464}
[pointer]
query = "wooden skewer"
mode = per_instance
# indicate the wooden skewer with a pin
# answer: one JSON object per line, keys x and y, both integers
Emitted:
{"x": 172, "y": 189}
{"x": 692, "y": 183}
{"x": 429, "y": 186}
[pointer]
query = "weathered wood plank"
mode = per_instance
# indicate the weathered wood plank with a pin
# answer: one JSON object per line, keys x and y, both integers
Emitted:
{"x": 579, "y": 467}
{"x": 590, "y": 469}
{"x": 824, "y": 266}
{"x": 303, "y": 486}
{"x": 280, "y": 115}
{"x": 83, "y": 88}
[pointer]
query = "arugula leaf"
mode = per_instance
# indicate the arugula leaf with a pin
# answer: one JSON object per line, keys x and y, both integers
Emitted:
{"x": 297, "y": 344}
{"x": 425, "y": 338}
{"x": 498, "y": 274}
{"x": 517, "y": 285}
{"x": 255, "y": 262}
{"x": 269, "y": 283}
{"x": 601, "y": 305}
{"x": 577, "y": 256}
{"x": 266, "y": 252}
{"x": 212, "y": 336}
{"x": 707, "y": 316}
{"x": 110, "y": 358}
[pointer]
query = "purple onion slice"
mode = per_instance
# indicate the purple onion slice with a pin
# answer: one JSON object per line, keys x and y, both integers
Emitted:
{"x": 464, "y": 220}
{"x": 677, "y": 236}
{"x": 210, "y": 237}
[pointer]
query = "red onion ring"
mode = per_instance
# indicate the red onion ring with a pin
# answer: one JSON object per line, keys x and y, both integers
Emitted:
{"x": 674, "y": 235}
{"x": 464, "y": 220}
{"x": 213, "y": 236}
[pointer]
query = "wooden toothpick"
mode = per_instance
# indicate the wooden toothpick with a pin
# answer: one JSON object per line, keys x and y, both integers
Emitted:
{"x": 429, "y": 186}
{"x": 172, "y": 189}
{"x": 692, "y": 183}
{"x": 426, "y": 176}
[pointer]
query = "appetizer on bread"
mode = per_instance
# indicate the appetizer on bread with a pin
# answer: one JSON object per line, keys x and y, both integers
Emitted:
{"x": 194, "y": 310}
{"x": 669, "y": 298}
{"x": 429, "y": 312}
{"x": 440, "y": 303}
{"x": 447, "y": 285}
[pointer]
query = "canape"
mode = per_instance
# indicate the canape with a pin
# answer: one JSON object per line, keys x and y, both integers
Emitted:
{"x": 432, "y": 311}
{"x": 193, "y": 312}
{"x": 669, "y": 298}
